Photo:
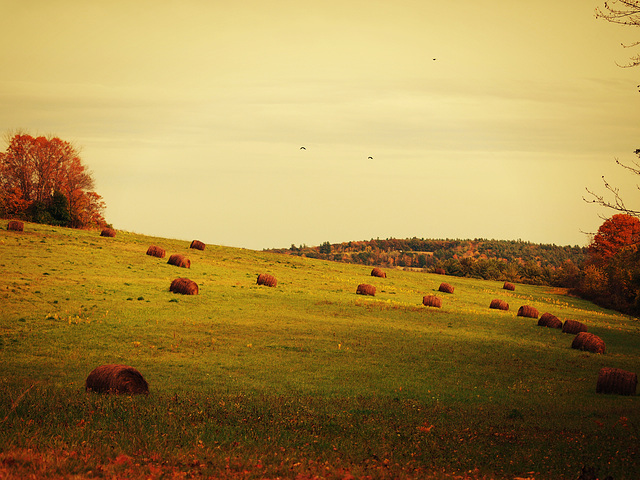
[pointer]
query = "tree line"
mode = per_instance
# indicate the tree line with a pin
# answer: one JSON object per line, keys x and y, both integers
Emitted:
{"x": 509, "y": 260}
{"x": 43, "y": 180}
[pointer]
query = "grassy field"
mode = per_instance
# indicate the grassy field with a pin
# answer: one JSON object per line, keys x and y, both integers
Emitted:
{"x": 304, "y": 380}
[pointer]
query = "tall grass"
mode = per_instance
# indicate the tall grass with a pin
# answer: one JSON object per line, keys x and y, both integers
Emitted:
{"x": 307, "y": 378}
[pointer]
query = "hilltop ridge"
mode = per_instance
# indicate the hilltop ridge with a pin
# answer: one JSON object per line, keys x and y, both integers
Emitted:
{"x": 513, "y": 260}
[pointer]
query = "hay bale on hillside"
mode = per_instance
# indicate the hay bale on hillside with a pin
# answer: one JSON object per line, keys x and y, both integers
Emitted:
{"x": 267, "y": 280}
{"x": 550, "y": 321}
{"x": 366, "y": 289}
{"x": 179, "y": 261}
{"x": 432, "y": 301}
{"x": 378, "y": 272}
{"x": 184, "y": 286}
{"x": 499, "y": 304}
{"x": 108, "y": 232}
{"x": 615, "y": 380}
{"x": 446, "y": 288}
{"x": 527, "y": 311}
{"x": 509, "y": 286}
{"x": 197, "y": 245}
{"x": 573, "y": 327}
{"x": 116, "y": 379}
{"x": 156, "y": 251}
{"x": 15, "y": 226}
{"x": 440, "y": 271}
{"x": 588, "y": 342}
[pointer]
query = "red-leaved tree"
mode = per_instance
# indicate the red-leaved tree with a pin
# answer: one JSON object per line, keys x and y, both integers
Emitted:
{"x": 614, "y": 234}
{"x": 34, "y": 169}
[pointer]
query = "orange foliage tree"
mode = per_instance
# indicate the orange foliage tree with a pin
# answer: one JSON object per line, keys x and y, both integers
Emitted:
{"x": 34, "y": 169}
{"x": 614, "y": 234}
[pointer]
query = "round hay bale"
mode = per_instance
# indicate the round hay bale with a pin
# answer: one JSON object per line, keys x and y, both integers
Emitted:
{"x": 440, "y": 271}
{"x": 267, "y": 280}
{"x": 15, "y": 226}
{"x": 366, "y": 289}
{"x": 197, "y": 244}
{"x": 499, "y": 304}
{"x": 377, "y": 272}
{"x": 573, "y": 327}
{"x": 156, "y": 251}
{"x": 509, "y": 286}
{"x": 527, "y": 311}
{"x": 108, "y": 232}
{"x": 549, "y": 320}
{"x": 179, "y": 261}
{"x": 432, "y": 301}
{"x": 184, "y": 286}
{"x": 588, "y": 342}
{"x": 116, "y": 379}
{"x": 446, "y": 288}
{"x": 615, "y": 380}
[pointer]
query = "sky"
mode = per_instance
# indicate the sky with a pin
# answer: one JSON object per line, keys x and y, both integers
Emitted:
{"x": 484, "y": 119}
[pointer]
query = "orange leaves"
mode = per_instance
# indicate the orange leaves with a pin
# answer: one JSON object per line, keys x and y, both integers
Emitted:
{"x": 614, "y": 234}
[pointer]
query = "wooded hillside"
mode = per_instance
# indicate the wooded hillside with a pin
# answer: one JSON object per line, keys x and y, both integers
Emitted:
{"x": 513, "y": 260}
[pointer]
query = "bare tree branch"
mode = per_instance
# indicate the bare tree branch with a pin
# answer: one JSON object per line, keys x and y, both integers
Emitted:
{"x": 623, "y": 12}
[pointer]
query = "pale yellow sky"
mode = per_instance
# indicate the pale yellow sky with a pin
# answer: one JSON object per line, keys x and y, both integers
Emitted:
{"x": 191, "y": 114}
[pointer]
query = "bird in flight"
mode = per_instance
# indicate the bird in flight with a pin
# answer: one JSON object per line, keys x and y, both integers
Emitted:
{"x": 370, "y": 158}
{"x": 303, "y": 148}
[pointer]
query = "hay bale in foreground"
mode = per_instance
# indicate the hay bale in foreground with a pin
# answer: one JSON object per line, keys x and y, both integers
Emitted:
{"x": 508, "y": 286}
{"x": 378, "y": 272}
{"x": 156, "y": 251}
{"x": 550, "y": 321}
{"x": 615, "y": 380}
{"x": 499, "y": 304}
{"x": 573, "y": 327}
{"x": 432, "y": 301}
{"x": 366, "y": 289}
{"x": 15, "y": 226}
{"x": 108, "y": 232}
{"x": 179, "y": 261}
{"x": 588, "y": 342}
{"x": 197, "y": 245}
{"x": 116, "y": 379}
{"x": 527, "y": 311}
{"x": 446, "y": 288}
{"x": 184, "y": 286}
{"x": 267, "y": 280}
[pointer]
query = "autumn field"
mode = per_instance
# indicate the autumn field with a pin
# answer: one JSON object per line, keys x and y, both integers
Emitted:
{"x": 303, "y": 380}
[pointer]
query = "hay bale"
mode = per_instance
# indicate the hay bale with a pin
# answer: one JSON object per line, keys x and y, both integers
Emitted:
{"x": 440, "y": 271}
{"x": 499, "y": 304}
{"x": 446, "y": 288}
{"x": 267, "y": 280}
{"x": 184, "y": 286}
{"x": 15, "y": 226}
{"x": 509, "y": 286}
{"x": 366, "y": 289}
{"x": 549, "y": 320}
{"x": 573, "y": 327}
{"x": 615, "y": 380}
{"x": 179, "y": 261}
{"x": 156, "y": 251}
{"x": 116, "y": 379}
{"x": 432, "y": 301}
{"x": 108, "y": 232}
{"x": 588, "y": 342}
{"x": 377, "y": 272}
{"x": 197, "y": 244}
{"x": 527, "y": 311}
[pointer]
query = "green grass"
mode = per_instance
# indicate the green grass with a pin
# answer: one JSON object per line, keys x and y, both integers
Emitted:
{"x": 305, "y": 379}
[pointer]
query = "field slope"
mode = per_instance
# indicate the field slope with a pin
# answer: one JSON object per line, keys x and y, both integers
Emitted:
{"x": 303, "y": 380}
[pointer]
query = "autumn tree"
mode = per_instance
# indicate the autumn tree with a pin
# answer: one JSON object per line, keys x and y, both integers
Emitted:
{"x": 614, "y": 234}
{"x": 35, "y": 173}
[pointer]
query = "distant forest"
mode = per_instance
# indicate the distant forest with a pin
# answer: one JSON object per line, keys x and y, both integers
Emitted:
{"x": 510, "y": 260}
